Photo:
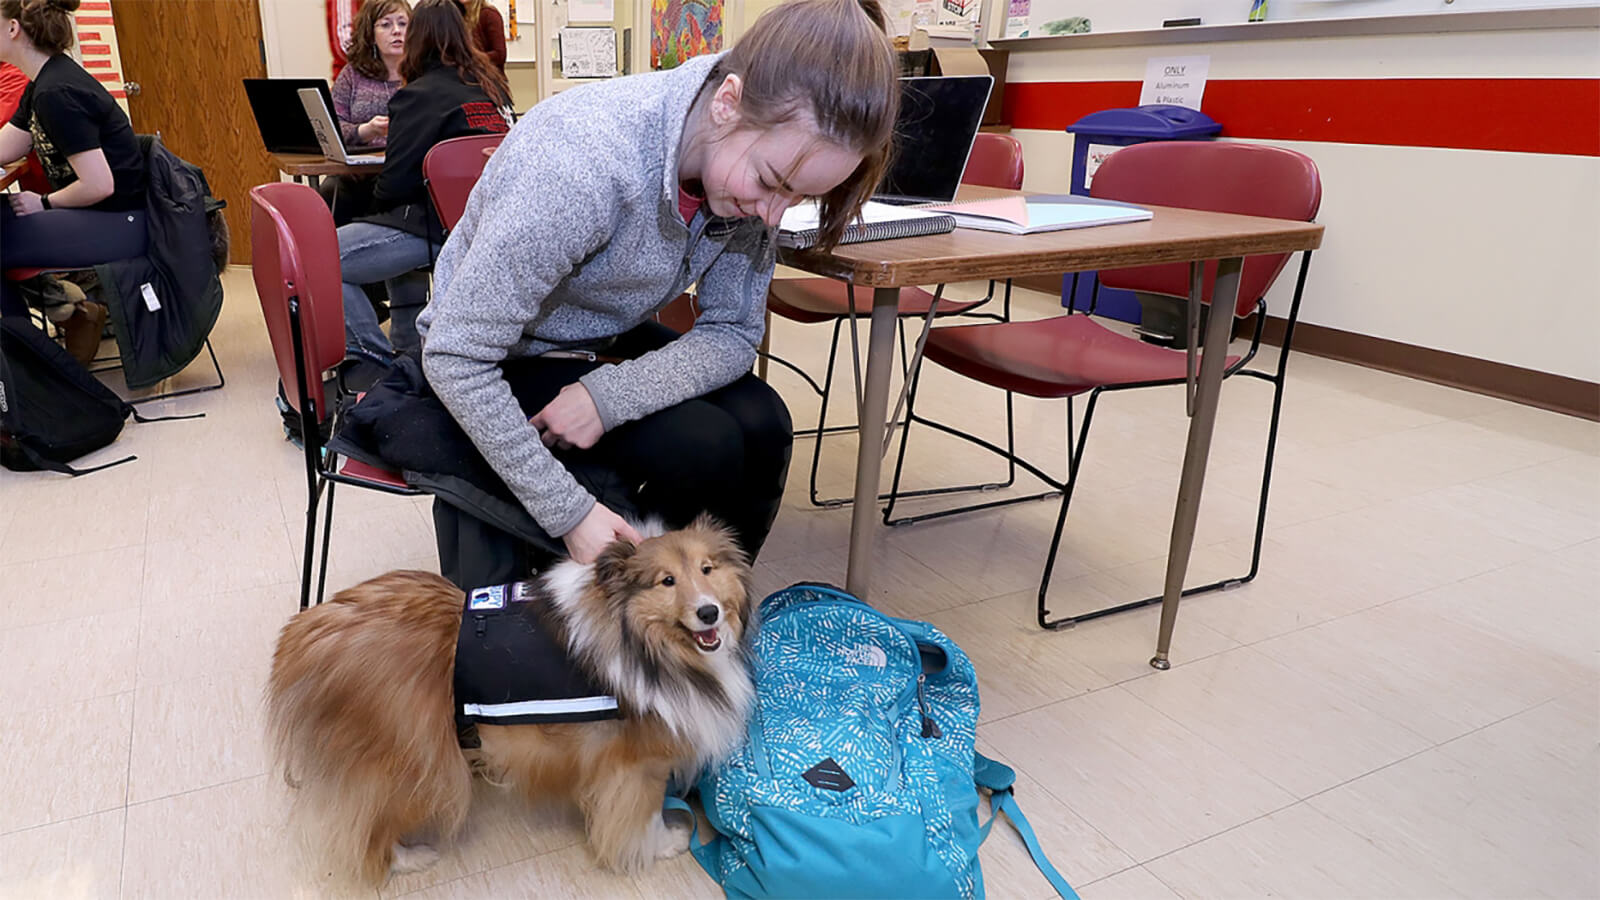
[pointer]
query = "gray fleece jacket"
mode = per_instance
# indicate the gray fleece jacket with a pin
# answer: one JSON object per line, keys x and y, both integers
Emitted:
{"x": 572, "y": 235}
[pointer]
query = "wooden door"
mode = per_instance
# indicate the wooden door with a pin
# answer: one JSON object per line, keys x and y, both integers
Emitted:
{"x": 187, "y": 57}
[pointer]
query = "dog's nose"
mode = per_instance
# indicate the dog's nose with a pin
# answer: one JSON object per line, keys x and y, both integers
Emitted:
{"x": 708, "y": 613}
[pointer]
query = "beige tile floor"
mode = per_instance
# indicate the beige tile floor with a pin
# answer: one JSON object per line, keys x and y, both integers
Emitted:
{"x": 1406, "y": 703}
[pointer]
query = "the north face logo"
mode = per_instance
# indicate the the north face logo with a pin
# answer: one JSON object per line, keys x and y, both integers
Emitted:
{"x": 866, "y": 655}
{"x": 828, "y": 776}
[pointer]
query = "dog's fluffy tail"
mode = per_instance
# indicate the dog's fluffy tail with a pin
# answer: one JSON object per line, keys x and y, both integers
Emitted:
{"x": 359, "y": 706}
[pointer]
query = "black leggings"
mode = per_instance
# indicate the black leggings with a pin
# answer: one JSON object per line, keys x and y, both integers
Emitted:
{"x": 725, "y": 453}
{"x": 66, "y": 239}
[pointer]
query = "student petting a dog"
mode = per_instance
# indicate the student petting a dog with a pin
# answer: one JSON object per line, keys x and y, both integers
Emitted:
{"x": 603, "y": 204}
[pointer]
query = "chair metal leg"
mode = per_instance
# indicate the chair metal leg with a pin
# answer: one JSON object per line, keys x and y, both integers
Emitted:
{"x": 313, "y": 497}
{"x": 215, "y": 366}
{"x": 327, "y": 535}
{"x": 1075, "y": 459}
{"x": 822, "y": 422}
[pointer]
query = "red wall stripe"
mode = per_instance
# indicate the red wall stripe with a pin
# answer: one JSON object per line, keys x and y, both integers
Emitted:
{"x": 107, "y": 76}
{"x": 97, "y": 64}
{"x": 119, "y": 94}
{"x": 96, "y": 50}
{"x": 96, "y": 5}
{"x": 95, "y": 20}
{"x": 88, "y": 35}
{"x": 1528, "y": 115}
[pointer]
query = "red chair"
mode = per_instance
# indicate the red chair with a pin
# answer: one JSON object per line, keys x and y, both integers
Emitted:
{"x": 1071, "y": 354}
{"x": 295, "y": 262}
{"x": 451, "y": 169}
{"x": 995, "y": 161}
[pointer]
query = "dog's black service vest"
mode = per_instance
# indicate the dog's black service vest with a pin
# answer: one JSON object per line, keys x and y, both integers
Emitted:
{"x": 510, "y": 669}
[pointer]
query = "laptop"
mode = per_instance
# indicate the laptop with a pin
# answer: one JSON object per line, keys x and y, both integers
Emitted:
{"x": 280, "y": 116}
{"x": 938, "y": 123}
{"x": 320, "y": 112}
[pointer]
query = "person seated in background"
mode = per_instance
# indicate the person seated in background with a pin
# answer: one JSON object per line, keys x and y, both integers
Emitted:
{"x": 361, "y": 93}
{"x": 451, "y": 89}
{"x": 94, "y": 210}
{"x": 487, "y": 28}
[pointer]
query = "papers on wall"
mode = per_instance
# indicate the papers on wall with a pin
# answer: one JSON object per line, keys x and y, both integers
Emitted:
{"x": 588, "y": 52}
{"x": 591, "y": 11}
{"x": 1017, "y": 18}
{"x": 1175, "y": 80}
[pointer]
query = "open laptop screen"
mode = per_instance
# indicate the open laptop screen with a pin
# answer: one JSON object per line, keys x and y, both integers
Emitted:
{"x": 279, "y": 114}
{"x": 939, "y": 119}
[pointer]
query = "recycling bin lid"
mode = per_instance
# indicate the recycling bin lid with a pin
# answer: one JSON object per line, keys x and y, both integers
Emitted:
{"x": 1156, "y": 122}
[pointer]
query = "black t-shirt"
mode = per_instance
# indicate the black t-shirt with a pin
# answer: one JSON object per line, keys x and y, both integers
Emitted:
{"x": 68, "y": 112}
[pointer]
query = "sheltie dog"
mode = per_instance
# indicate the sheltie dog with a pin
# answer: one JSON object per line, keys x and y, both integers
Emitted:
{"x": 362, "y": 715}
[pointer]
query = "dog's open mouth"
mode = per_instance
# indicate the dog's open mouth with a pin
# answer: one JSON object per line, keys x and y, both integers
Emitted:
{"x": 707, "y": 640}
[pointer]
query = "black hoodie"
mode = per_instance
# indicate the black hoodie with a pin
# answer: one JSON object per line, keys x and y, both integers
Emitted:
{"x": 435, "y": 106}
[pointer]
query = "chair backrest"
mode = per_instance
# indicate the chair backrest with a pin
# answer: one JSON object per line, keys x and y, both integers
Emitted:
{"x": 295, "y": 256}
{"x": 996, "y": 161}
{"x": 1222, "y": 176}
{"x": 451, "y": 168}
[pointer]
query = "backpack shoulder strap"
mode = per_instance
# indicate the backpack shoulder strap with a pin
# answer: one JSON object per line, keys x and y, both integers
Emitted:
{"x": 706, "y": 854}
{"x": 999, "y": 779}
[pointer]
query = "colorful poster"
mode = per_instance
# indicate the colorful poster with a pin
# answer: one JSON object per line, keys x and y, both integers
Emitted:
{"x": 1017, "y": 18}
{"x": 683, "y": 29}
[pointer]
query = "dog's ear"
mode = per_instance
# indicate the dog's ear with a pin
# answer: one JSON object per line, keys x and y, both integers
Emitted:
{"x": 612, "y": 572}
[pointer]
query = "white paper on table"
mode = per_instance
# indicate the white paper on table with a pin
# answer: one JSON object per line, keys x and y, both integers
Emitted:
{"x": 1175, "y": 80}
{"x": 591, "y": 11}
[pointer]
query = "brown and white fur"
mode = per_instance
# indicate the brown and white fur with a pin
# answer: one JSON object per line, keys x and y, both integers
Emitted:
{"x": 360, "y": 703}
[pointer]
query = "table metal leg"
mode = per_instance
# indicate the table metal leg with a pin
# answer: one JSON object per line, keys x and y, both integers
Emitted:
{"x": 1224, "y": 300}
{"x": 869, "y": 456}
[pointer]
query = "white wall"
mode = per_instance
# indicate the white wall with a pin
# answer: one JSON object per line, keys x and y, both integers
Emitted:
{"x": 296, "y": 37}
{"x": 1488, "y": 254}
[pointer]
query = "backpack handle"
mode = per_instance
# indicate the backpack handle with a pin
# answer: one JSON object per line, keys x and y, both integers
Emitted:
{"x": 999, "y": 779}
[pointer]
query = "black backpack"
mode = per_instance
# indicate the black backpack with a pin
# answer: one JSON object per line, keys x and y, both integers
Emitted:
{"x": 52, "y": 411}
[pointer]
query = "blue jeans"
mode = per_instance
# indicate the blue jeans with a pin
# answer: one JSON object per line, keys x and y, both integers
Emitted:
{"x": 369, "y": 253}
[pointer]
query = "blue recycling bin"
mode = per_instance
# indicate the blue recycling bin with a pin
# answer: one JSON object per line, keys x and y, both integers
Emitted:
{"x": 1097, "y": 136}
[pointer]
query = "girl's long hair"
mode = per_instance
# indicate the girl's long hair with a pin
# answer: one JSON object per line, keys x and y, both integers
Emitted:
{"x": 438, "y": 37}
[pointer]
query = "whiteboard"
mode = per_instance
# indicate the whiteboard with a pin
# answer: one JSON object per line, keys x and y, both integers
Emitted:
{"x": 1120, "y": 15}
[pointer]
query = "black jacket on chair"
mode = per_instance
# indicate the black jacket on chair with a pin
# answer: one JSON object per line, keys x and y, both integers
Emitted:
{"x": 162, "y": 329}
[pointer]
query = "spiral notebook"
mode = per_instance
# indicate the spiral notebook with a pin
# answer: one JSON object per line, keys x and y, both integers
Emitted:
{"x": 879, "y": 222}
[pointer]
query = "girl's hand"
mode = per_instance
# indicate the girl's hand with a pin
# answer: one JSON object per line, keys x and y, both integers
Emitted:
{"x": 570, "y": 420}
{"x": 596, "y": 532}
{"x": 27, "y": 203}
{"x": 373, "y": 128}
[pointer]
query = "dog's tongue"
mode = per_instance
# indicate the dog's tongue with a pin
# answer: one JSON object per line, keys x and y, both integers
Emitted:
{"x": 707, "y": 637}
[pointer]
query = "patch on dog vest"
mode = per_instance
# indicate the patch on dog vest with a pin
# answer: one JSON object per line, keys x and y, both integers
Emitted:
{"x": 511, "y": 669}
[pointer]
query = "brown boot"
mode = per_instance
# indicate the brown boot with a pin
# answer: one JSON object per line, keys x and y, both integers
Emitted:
{"x": 84, "y": 329}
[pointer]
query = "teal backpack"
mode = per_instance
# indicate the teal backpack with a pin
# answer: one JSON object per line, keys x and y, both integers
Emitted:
{"x": 858, "y": 778}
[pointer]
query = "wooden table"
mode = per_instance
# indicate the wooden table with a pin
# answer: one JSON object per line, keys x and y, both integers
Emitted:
{"x": 310, "y": 167}
{"x": 1174, "y": 235}
{"x": 11, "y": 172}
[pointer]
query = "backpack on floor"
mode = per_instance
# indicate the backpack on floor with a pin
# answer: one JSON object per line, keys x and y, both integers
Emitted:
{"x": 52, "y": 411}
{"x": 859, "y": 778}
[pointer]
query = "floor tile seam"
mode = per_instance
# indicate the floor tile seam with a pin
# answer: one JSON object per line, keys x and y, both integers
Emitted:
{"x": 133, "y": 721}
{"x": 64, "y": 821}
{"x": 13, "y": 712}
{"x": 494, "y": 868}
{"x": 1436, "y": 746}
{"x": 48, "y": 556}
{"x": 1045, "y": 785}
{"x": 195, "y": 790}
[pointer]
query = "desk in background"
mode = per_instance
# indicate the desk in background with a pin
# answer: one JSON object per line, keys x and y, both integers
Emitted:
{"x": 1173, "y": 235}
{"x": 310, "y": 167}
{"x": 11, "y": 172}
